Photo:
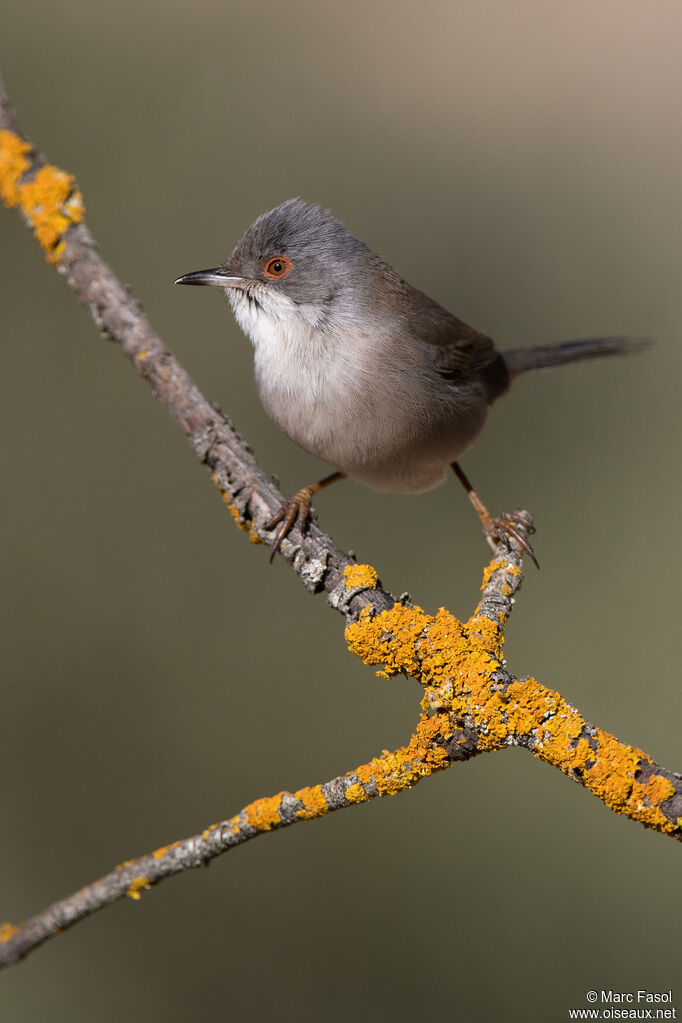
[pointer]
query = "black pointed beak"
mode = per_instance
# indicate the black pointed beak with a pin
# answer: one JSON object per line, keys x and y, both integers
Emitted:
{"x": 217, "y": 276}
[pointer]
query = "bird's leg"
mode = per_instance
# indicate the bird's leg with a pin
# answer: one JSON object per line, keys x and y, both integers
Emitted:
{"x": 496, "y": 529}
{"x": 298, "y": 509}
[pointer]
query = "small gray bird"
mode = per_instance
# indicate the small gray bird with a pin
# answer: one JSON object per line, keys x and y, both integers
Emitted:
{"x": 360, "y": 368}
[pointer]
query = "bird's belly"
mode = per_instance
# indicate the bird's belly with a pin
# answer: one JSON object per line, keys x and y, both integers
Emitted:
{"x": 388, "y": 443}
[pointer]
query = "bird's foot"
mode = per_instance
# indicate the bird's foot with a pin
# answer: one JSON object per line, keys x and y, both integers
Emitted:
{"x": 517, "y": 525}
{"x": 499, "y": 529}
{"x": 295, "y": 511}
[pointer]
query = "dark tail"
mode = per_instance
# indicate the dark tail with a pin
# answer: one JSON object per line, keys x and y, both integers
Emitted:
{"x": 520, "y": 360}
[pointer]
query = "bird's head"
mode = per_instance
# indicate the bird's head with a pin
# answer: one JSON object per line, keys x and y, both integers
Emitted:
{"x": 295, "y": 255}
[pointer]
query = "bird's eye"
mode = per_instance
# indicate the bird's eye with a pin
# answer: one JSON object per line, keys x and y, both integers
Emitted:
{"x": 277, "y": 267}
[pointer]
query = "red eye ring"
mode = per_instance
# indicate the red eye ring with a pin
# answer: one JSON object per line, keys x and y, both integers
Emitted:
{"x": 277, "y": 267}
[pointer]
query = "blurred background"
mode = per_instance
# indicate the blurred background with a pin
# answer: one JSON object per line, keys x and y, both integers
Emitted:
{"x": 522, "y": 164}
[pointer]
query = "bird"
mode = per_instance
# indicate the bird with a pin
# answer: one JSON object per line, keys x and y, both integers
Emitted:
{"x": 362, "y": 369}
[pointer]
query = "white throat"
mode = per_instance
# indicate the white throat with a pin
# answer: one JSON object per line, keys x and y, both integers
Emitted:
{"x": 291, "y": 346}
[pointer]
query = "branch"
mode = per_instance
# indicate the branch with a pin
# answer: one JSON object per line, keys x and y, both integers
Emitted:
{"x": 470, "y": 705}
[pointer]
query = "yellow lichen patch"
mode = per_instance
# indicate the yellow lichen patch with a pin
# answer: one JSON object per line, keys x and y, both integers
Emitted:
{"x": 158, "y": 854}
{"x": 13, "y": 164}
{"x": 235, "y": 513}
{"x": 356, "y": 794}
{"x": 263, "y": 814}
{"x": 485, "y": 634}
{"x": 136, "y": 887}
{"x": 233, "y": 825}
{"x": 388, "y": 638}
{"x": 458, "y": 660}
{"x": 556, "y": 727}
{"x": 363, "y": 576}
{"x": 404, "y": 767}
{"x": 455, "y": 660}
{"x": 7, "y": 931}
{"x": 490, "y": 569}
{"x": 606, "y": 766}
{"x": 611, "y": 776}
{"x": 314, "y": 802}
{"x": 51, "y": 203}
{"x": 658, "y": 789}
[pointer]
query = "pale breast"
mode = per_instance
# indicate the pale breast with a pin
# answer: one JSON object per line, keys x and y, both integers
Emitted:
{"x": 343, "y": 396}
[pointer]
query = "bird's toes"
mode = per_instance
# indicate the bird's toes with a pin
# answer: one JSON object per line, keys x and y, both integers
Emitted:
{"x": 518, "y": 525}
{"x": 296, "y": 510}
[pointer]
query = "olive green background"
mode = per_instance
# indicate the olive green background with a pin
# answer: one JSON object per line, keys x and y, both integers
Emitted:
{"x": 521, "y": 162}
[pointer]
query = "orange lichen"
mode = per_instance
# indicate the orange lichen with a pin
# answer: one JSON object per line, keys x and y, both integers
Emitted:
{"x": 50, "y": 200}
{"x": 490, "y": 569}
{"x": 13, "y": 165}
{"x": 611, "y": 776}
{"x": 234, "y": 825}
{"x": 388, "y": 638}
{"x": 356, "y": 793}
{"x": 263, "y": 814}
{"x": 137, "y": 886}
{"x": 314, "y": 802}
{"x": 51, "y": 205}
{"x": 158, "y": 854}
{"x": 395, "y": 771}
{"x": 8, "y": 931}
{"x": 235, "y": 513}
{"x": 363, "y": 576}
{"x": 658, "y": 789}
{"x": 455, "y": 663}
{"x": 432, "y": 648}
{"x": 559, "y": 735}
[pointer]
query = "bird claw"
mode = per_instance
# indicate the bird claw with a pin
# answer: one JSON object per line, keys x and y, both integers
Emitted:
{"x": 500, "y": 528}
{"x": 296, "y": 510}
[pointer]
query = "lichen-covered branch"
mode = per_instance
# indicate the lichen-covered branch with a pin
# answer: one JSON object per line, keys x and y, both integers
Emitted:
{"x": 471, "y": 704}
{"x": 135, "y": 876}
{"x": 438, "y": 741}
{"x": 480, "y": 705}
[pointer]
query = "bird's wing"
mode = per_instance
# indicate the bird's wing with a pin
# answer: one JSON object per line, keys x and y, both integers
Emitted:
{"x": 458, "y": 349}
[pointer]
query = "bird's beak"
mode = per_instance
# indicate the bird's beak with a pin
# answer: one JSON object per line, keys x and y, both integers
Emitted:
{"x": 217, "y": 276}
